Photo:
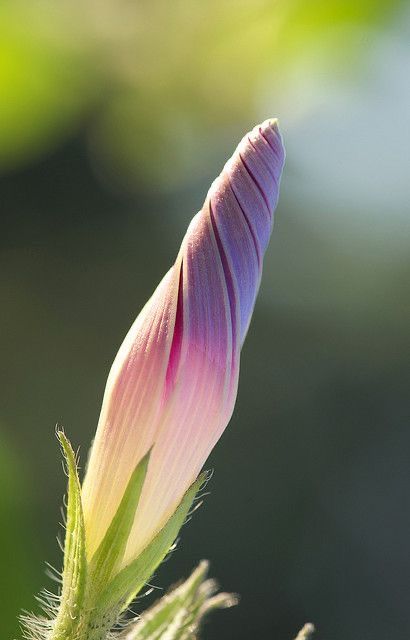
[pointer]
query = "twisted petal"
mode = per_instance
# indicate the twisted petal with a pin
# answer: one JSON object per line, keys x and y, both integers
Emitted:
{"x": 174, "y": 380}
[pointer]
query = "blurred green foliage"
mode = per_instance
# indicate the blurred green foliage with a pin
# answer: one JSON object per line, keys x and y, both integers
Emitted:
{"x": 159, "y": 77}
{"x": 17, "y": 541}
{"x": 114, "y": 117}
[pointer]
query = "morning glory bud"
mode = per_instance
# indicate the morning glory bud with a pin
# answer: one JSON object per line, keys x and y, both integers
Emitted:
{"x": 173, "y": 384}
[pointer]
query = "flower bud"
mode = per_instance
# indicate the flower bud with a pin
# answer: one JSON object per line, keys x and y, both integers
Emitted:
{"x": 173, "y": 384}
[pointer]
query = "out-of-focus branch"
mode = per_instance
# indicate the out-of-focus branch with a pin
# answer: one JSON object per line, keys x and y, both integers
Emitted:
{"x": 306, "y": 633}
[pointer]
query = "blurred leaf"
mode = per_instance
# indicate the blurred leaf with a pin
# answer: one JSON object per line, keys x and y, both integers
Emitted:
{"x": 164, "y": 76}
{"x": 179, "y": 614}
{"x": 46, "y": 83}
{"x": 306, "y": 633}
{"x": 17, "y": 559}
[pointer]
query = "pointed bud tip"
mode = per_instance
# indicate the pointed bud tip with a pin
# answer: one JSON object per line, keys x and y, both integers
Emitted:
{"x": 271, "y": 122}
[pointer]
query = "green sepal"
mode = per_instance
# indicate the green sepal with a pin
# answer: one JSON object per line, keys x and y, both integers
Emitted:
{"x": 129, "y": 581}
{"x": 110, "y": 552}
{"x": 75, "y": 565}
{"x": 178, "y": 615}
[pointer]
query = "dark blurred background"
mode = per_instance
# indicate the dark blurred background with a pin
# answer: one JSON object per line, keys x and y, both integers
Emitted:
{"x": 115, "y": 115}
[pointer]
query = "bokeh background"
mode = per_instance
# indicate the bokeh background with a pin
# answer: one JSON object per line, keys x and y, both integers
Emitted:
{"x": 115, "y": 115}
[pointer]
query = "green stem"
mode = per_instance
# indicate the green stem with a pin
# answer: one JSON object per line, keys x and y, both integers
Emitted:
{"x": 90, "y": 625}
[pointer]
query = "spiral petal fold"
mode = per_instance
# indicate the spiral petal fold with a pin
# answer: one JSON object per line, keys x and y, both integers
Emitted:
{"x": 173, "y": 383}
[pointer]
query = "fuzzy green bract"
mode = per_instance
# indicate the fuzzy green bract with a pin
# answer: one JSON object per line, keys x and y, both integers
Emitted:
{"x": 94, "y": 592}
{"x": 110, "y": 552}
{"x": 75, "y": 565}
{"x": 179, "y": 614}
{"x": 127, "y": 584}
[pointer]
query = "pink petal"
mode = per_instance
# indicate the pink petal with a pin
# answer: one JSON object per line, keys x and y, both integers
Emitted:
{"x": 173, "y": 383}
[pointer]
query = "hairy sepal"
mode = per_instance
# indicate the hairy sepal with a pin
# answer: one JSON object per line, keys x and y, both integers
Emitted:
{"x": 94, "y": 592}
{"x": 104, "y": 563}
{"x": 129, "y": 581}
{"x": 75, "y": 564}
